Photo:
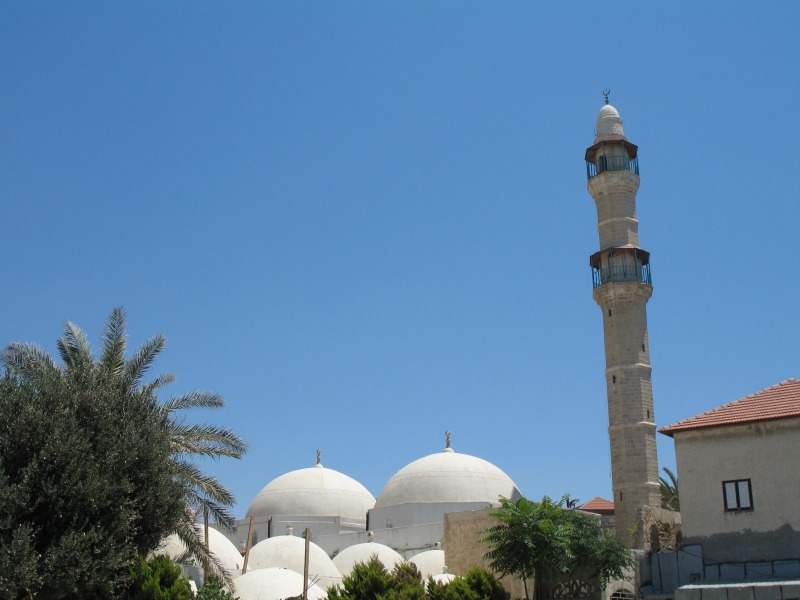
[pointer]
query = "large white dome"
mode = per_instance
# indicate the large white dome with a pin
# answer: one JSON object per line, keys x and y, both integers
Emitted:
{"x": 313, "y": 492}
{"x": 447, "y": 477}
{"x": 273, "y": 584}
{"x": 288, "y": 552}
{"x": 361, "y": 553}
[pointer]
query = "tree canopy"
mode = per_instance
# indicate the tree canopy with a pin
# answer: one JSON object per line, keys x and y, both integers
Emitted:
{"x": 86, "y": 483}
{"x": 545, "y": 541}
{"x": 102, "y": 403}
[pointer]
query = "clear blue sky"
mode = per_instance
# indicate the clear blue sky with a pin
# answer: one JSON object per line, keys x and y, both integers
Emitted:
{"x": 367, "y": 223}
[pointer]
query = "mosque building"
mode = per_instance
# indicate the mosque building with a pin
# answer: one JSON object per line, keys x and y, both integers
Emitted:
{"x": 409, "y": 518}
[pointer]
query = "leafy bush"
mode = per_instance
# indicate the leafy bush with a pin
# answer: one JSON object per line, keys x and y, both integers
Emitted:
{"x": 213, "y": 589}
{"x": 371, "y": 581}
{"x": 157, "y": 579}
{"x": 478, "y": 584}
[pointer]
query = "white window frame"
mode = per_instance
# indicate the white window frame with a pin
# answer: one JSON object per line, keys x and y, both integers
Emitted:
{"x": 739, "y": 501}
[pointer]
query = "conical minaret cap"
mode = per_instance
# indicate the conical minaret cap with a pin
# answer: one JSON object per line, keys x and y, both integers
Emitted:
{"x": 609, "y": 124}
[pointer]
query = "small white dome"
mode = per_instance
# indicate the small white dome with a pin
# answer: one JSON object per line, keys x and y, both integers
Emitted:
{"x": 444, "y": 578}
{"x": 361, "y": 553}
{"x": 273, "y": 584}
{"x": 220, "y": 546}
{"x": 430, "y": 563}
{"x": 288, "y": 552}
{"x": 447, "y": 476}
{"x": 609, "y": 122}
{"x": 313, "y": 492}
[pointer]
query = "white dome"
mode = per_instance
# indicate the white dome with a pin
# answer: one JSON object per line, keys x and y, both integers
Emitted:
{"x": 609, "y": 122}
{"x": 444, "y": 578}
{"x": 313, "y": 492}
{"x": 430, "y": 563}
{"x": 361, "y": 553}
{"x": 220, "y": 546}
{"x": 447, "y": 477}
{"x": 273, "y": 584}
{"x": 288, "y": 552}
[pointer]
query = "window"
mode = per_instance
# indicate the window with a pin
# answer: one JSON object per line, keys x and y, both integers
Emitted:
{"x": 738, "y": 495}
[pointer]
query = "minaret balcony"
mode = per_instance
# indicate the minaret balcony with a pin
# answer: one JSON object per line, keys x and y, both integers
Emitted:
{"x": 628, "y": 273}
{"x": 611, "y": 155}
{"x": 620, "y": 264}
{"x": 612, "y": 163}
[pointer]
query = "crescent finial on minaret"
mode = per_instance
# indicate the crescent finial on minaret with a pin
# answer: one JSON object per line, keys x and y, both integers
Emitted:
{"x": 447, "y": 438}
{"x": 605, "y": 94}
{"x": 319, "y": 457}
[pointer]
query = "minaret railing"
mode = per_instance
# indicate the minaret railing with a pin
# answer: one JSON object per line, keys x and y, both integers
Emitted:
{"x": 621, "y": 273}
{"x": 612, "y": 163}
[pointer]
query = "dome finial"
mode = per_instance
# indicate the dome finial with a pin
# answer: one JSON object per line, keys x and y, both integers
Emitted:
{"x": 447, "y": 447}
{"x": 319, "y": 458}
{"x": 605, "y": 94}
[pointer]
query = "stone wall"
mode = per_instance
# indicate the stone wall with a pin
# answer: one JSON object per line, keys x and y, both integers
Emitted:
{"x": 463, "y": 550}
{"x": 658, "y": 529}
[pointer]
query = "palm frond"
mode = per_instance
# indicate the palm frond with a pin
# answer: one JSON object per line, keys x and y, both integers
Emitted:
{"x": 74, "y": 347}
{"x": 190, "y": 533}
{"x": 197, "y": 399}
{"x": 27, "y": 359}
{"x": 162, "y": 380}
{"x": 112, "y": 358}
{"x": 137, "y": 366}
{"x": 203, "y": 485}
{"x": 207, "y": 440}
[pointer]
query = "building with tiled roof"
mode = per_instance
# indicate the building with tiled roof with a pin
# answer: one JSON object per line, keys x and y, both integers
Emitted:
{"x": 776, "y": 402}
{"x": 598, "y": 505}
{"x": 739, "y": 477}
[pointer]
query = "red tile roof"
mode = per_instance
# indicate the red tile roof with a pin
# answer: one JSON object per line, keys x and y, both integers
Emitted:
{"x": 777, "y": 402}
{"x": 598, "y": 505}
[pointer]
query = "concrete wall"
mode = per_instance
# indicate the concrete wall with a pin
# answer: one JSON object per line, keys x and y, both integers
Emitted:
{"x": 767, "y": 453}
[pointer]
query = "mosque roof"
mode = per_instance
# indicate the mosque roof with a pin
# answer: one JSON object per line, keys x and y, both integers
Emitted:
{"x": 315, "y": 491}
{"x": 273, "y": 584}
{"x": 447, "y": 476}
{"x": 220, "y": 546}
{"x": 361, "y": 553}
{"x": 429, "y": 563}
{"x": 288, "y": 552}
{"x": 779, "y": 401}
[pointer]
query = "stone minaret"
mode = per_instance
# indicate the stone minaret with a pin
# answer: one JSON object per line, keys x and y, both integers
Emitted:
{"x": 622, "y": 286}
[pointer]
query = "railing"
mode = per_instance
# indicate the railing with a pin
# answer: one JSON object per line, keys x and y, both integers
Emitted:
{"x": 612, "y": 163}
{"x": 621, "y": 273}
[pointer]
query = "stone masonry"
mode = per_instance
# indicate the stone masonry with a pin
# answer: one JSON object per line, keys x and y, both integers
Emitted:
{"x": 623, "y": 299}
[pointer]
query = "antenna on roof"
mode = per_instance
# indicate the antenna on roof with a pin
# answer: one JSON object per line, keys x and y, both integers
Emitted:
{"x": 605, "y": 94}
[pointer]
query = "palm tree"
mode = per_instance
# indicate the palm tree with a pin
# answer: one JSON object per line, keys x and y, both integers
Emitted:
{"x": 670, "y": 499}
{"x": 81, "y": 368}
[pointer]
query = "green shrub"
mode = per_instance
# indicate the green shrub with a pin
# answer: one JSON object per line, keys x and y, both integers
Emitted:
{"x": 213, "y": 589}
{"x": 157, "y": 579}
